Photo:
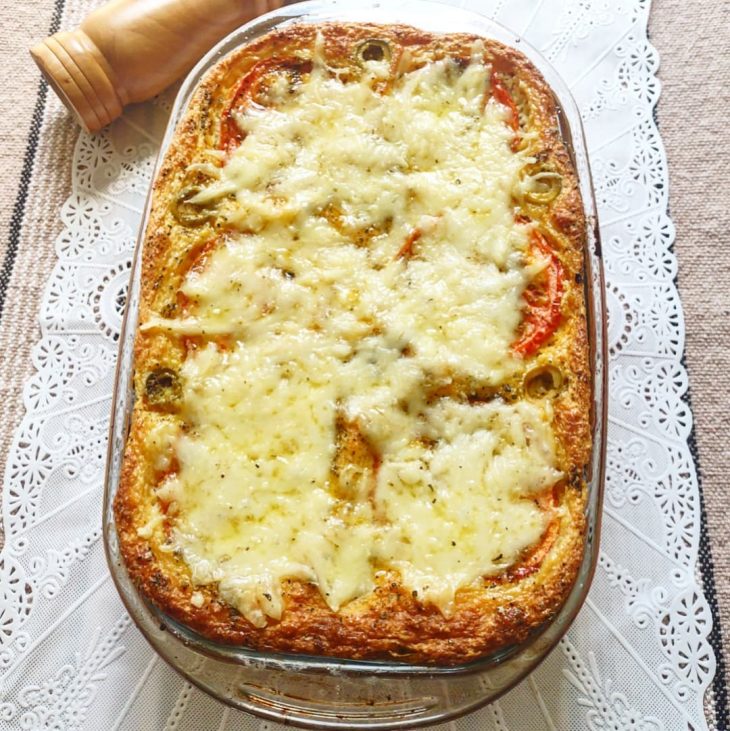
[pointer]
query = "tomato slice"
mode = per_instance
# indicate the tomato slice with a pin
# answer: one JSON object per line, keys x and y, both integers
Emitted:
{"x": 533, "y": 561}
{"x": 249, "y": 91}
{"x": 503, "y": 97}
{"x": 543, "y": 299}
{"x": 197, "y": 255}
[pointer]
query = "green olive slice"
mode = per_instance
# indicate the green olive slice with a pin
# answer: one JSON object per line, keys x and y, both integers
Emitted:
{"x": 545, "y": 186}
{"x": 543, "y": 381}
{"x": 187, "y": 213}
{"x": 162, "y": 387}
{"x": 373, "y": 49}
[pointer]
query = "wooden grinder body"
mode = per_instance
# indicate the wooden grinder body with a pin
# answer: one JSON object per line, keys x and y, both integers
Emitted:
{"x": 129, "y": 50}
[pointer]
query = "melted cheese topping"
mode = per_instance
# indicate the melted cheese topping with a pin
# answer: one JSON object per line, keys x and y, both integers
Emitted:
{"x": 331, "y": 326}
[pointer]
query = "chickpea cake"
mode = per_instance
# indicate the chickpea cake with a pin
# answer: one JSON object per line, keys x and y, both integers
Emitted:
{"x": 361, "y": 370}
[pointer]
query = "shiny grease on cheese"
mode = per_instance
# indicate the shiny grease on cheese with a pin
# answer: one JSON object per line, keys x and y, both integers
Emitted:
{"x": 329, "y": 323}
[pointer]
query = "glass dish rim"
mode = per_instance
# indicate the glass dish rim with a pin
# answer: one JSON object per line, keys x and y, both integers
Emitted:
{"x": 572, "y": 132}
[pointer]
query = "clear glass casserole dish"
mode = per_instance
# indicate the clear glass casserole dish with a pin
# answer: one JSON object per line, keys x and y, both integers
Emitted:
{"x": 321, "y": 692}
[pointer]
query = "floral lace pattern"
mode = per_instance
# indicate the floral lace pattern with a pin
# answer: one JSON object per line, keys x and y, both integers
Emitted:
{"x": 637, "y": 657}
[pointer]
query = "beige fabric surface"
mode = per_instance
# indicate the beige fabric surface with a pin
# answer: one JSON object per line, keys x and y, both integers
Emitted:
{"x": 692, "y": 40}
{"x": 22, "y": 25}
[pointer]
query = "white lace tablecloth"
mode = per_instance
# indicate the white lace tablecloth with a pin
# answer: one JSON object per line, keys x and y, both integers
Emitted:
{"x": 637, "y": 657}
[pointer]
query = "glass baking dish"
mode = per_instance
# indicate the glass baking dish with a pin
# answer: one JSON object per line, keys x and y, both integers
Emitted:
{"x": 322, "y": 692}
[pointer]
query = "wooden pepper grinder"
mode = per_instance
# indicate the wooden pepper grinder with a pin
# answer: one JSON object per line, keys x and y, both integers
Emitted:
{"x": 129, "y": 50}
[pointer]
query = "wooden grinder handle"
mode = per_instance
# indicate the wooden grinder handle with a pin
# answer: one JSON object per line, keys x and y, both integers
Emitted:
{"x": 129, "y": 50}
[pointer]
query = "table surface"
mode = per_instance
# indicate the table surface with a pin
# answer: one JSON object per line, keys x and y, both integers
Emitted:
{"x": 695, "y": 77}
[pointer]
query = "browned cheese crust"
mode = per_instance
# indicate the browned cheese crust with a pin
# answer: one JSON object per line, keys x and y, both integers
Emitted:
{"x": 388, "y": 623}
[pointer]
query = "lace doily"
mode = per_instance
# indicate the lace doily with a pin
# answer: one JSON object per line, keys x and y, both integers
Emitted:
{"x": 637, "y": 657}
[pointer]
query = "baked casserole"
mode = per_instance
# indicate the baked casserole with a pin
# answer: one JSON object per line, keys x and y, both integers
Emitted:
{"x": 361, "y": 367}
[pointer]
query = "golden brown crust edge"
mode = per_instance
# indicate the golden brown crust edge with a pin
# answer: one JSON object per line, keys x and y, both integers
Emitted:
{"x": 389, "y": 623}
